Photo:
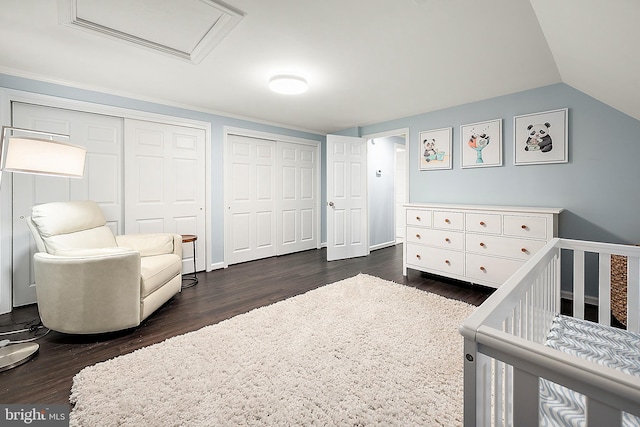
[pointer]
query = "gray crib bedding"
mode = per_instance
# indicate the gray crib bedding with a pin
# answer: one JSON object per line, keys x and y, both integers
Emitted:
{"x": 615, "y": 348}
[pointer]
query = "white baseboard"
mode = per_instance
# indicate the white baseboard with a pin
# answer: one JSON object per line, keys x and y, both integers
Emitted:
{"x": 382, "y": 245}
{"x": 216, "y": 266}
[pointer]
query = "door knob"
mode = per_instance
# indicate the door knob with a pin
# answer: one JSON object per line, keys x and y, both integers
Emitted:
{"x": 331, "y": 204}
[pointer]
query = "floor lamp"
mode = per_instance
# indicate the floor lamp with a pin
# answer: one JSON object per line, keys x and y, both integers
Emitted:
{"x": 27, "y": 151}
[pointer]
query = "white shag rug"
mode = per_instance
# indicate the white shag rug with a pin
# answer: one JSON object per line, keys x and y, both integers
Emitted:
{"x": 359, "y": 352}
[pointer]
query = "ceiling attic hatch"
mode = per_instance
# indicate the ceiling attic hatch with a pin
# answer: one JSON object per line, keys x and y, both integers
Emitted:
{"x": 188, "y": 29}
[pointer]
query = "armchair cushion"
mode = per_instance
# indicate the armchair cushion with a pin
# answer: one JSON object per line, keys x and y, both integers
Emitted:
{"x": 157, "y": 270}
{"x": 93, "y": 238}
{"x": 70, "y": 225}
{"x": 147, "y": 244}
{"x": 67, "y": 217}
{"x": 92, "y": 252}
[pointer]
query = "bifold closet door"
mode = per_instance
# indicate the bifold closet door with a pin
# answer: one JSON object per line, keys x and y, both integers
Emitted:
{"x": 271, "y": 198}
{"x": 297, "y": 199}
{"x": 165, "y": 183}
{"x": 102, "y": 137}
{"x": 250, "y": 199}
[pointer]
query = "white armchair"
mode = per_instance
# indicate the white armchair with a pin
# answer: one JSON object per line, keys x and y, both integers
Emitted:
{"x": 90, "y": 281}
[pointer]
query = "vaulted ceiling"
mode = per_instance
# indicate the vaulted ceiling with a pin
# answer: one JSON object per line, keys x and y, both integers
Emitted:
{"x": 366, "y": 61}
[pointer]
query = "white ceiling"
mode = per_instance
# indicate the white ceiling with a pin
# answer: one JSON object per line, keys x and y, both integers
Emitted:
{"x": 366, "y": 61}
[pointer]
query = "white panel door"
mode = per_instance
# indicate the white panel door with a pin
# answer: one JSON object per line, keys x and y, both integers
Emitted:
{"x": 165, "y": 183}
{"x": 250, "y": 199}
{"x": 297, "y": 198}
{"x": 102, "y": 137}
{"x": 347, "y": 216}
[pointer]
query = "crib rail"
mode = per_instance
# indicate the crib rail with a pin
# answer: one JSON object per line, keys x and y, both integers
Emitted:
{"x": 505, "y": 355}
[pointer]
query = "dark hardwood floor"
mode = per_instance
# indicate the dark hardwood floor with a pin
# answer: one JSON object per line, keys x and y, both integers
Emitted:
{"x": 219, "y": 295}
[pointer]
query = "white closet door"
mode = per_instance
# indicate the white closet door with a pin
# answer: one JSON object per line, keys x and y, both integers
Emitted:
{"x": 250, "y": 199}
{"x": 297, "y": 198}
{"x": 165, "y": 183}
{"x": 102, "y": 137}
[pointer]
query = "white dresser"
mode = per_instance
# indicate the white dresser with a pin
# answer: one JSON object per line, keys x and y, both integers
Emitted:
{"x": 475, "y": 243}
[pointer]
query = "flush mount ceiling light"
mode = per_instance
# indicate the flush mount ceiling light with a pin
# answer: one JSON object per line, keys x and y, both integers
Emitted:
{"x": 288, "y": 84}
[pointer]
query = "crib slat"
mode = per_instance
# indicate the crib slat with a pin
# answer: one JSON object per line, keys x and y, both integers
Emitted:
{"x": 578, "y": 284}
{"x": 526, "y": 397}
{"x": 499, "y": 403}
{"x": 604, "y": 289}
{"x": 483, "y": 395}
{"x": 599, "y": 414}
{"x": 633, "y": 294}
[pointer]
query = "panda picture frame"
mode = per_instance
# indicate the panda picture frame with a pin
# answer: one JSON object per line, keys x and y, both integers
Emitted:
{"x": 435, "y": 149}
{"x": 541, "y": 138}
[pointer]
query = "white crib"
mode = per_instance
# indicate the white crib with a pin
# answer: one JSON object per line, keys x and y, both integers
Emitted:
{"x": 506, "y": 359}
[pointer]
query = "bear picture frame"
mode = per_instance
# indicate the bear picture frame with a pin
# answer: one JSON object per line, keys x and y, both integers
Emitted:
{"x": 481, "y": 144}
{"x": 435, "y": 149}
{"x": 541, "y": 138}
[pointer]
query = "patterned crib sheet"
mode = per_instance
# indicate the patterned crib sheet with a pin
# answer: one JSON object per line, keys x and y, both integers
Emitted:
{"x": 615, "y": 348}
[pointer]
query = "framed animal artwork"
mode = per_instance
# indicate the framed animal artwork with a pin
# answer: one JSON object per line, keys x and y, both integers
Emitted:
{"x": 481, "y": 144}
{"x": 541, "y": 137}
{"x": 435, "y": 149}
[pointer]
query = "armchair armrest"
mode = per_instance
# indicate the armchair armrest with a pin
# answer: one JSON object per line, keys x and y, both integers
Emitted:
{"x": 152, "y": 244}
{"x": 88, "y": 290}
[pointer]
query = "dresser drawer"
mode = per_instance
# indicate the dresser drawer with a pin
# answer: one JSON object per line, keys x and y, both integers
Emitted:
{"x": 490, "y": 269}
{"x": 441, "y": 238}
{"x": 483, "y": 223}
{"x": 419, "y": 217}
{"x": 443, "y": 260}
{"x": 502, "y": 246}
{"x": 534, "y": 227}
{"x": 448, "y": 220}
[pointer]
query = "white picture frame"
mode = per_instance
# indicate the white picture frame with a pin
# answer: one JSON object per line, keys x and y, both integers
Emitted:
{"x": 541, "y": 138}
{"x": 481, "y": 144}
{"x": 435, "y": 149}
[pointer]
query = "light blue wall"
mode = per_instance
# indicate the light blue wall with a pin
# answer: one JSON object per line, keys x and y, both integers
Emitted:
{"x": 598, "y": 188}
{"x": 217, "y": 124}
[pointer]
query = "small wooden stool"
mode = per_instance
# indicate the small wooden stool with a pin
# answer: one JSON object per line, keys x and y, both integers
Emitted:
{"x": 190, "y": 279}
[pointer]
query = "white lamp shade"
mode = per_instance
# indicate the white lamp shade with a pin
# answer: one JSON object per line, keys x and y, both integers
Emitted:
{"x": 45, "y": 157}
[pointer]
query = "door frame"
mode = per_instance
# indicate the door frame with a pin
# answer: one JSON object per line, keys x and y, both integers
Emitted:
{"x": 406, "y": 186}
{"x": 402, "y": 132}
{"x": 249, "y": 133}
{"x": 7, "y": 96}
